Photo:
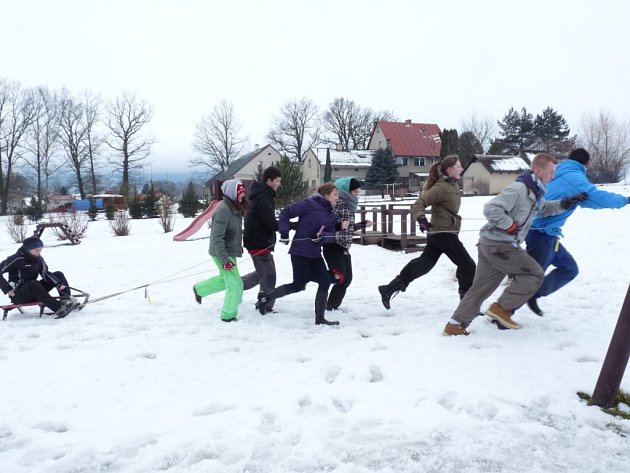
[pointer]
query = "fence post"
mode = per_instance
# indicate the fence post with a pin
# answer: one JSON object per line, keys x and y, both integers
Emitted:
{"x": 611, "y": 374}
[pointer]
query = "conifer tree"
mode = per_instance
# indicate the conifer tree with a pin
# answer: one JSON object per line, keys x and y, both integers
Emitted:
{"x": 517, "y": 133}
{"x": 328, "y": 167}
{"x": 449, "y": 143}
{"x": 151, "y": 203}
{"x": 293, "y": 185}
{"x": 552, "y": 133}
{"x": 189, "y": 203}
{"x": 383, "y": 169}
{"x": 469, "y": 145}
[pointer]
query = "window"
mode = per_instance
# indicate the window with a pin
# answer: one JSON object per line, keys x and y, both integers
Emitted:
{"x": 313, "y": 183}
{"x": 405, "y": 161}
{"x": 422, "y": 162}
{"x": 309, "y": 164}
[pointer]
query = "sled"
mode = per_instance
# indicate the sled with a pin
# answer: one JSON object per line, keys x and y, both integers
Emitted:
{"x": 74, "y": 293}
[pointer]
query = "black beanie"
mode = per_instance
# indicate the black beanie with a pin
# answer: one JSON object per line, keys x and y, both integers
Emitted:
{"x": 580, "y": 155}
{"x": 32, "y": 243}
{"x": 354, "y": 184}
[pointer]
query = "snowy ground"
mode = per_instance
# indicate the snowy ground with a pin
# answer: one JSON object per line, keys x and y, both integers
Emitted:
{"x": 132, "y": 386}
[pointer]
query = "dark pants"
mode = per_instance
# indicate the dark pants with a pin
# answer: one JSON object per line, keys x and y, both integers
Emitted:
{"x": 37, "y": 291}
{"x": 340, "y": 268}
{"x": 304, "y": 270}
{"x": 547, "y": 251}
{"x": 438, "y": 244}
{"x": 264, "y": 274}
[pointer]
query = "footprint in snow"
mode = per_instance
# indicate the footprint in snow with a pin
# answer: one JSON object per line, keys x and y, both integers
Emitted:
{"x": 57, "y": 427}
{"x": 342, "y": 405}
{"x": 376, "y": 375}
{"x": 212, "y": 409}
{"x": 332, "y": 373}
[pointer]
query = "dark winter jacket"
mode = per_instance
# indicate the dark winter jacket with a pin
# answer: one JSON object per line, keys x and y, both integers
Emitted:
{"x": 444, "y": 199}
{"x": 227, "y": 231}
{"x": 23, "y": 267}
{"x": 313, "y": 213}
{"x": 260, "y": 224}
{"x": 569, "y": 180}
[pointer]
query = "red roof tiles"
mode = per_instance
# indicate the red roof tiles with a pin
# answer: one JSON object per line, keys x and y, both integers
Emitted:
{"x": 412, "y": 139}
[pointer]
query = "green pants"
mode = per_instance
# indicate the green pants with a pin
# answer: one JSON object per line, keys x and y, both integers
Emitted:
{"x": 228, "y": 280}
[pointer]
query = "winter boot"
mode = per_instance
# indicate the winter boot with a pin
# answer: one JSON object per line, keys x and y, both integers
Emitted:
{"x": 261, "y": 303}
{"x": 320, "y": 309}
{"x": 390, "y": 290}
{"x": 197, "y": 296}
{"x": 502, "y": 316}
{"x": 65, "y": 309}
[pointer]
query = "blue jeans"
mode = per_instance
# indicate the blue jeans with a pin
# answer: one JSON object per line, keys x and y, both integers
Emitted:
{"x": 547, "y": 251}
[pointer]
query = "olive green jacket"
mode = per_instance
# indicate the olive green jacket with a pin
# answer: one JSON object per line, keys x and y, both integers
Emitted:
{"x": 444, "y": 199}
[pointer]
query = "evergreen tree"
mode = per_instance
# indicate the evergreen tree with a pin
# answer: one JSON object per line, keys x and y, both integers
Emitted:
{"x": 293, "y": 185}
{"x": 469, "y": 145}
{"x": 110, "y": 210}
{"x": 189, "y": 203}
{"x": 383, "y": 169}
{"x": 35, "y": 211}
{"x": 517, "y": 133}
{"x": 328, "y": 167}
{"x": 552, "y": 133}
{"x": 136, "y": 209}
{"x": 92, "y": 210}
{"x": 151, "y": 203}
{"x": 449, "y": 143}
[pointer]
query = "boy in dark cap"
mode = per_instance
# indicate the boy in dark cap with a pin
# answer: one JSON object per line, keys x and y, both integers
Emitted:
{"x": 23, "y": 286}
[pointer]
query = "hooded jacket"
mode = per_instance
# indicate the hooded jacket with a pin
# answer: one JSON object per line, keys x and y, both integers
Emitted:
{"x": 227, "y": 231}
{"x": 313, "y": 213}
{"x": 569, "y": 180}
{"x": 23, "y": 267}
{"x": 517, "y": 203}
{"x": 444, "y": 199}
{"x": 260, "y": 223}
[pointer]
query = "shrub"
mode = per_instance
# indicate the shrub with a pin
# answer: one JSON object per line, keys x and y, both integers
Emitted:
{"x": 76, "y": 223}
{"x": 17, "y": 227}
{"x": 167, "y": 216}
{"x": 120, "y": 224}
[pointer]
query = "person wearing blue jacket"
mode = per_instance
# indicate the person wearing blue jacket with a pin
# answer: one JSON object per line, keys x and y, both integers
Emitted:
{"x": 543, "y": 238}
{"x": 315, "y": 226}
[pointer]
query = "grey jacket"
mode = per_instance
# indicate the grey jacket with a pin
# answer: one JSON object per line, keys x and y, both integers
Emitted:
{"x": 226, "y": 236}
{"x": 516, "y": 204}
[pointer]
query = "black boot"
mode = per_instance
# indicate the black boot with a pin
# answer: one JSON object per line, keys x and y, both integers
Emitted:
{"x": 533, "y": 305}
{"x": 320, "y": 309}
{"x": 261, "y": 303}
{"x": 390, "y": 290}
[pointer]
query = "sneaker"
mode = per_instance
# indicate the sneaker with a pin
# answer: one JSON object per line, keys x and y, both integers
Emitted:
{"x": 533, "y": 306}
{"x": 502, "y": 316}
{"x": 65, "y": 309}
{"x": 454, "y": 329}
{"x": 233, "y": 319}
{"x": 386, "y": 295}
{"x": 197, "y": 296}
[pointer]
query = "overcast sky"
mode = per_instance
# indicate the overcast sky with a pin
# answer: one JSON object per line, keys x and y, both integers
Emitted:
{"x": 430, "y": 61}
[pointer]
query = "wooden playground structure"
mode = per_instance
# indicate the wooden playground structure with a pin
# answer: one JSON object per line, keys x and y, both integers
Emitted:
{"x": 385, "y": 218}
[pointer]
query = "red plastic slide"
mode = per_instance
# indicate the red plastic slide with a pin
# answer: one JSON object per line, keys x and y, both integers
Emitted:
{"x": 198, "y": 222}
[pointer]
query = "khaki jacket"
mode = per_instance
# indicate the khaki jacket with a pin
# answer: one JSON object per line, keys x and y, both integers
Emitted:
{"x": 444, "y": 199}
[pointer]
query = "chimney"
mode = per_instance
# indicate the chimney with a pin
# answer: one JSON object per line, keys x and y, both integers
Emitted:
{"x": 408, "y": 122}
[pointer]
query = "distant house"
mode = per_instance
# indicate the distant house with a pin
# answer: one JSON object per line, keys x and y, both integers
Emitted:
{"x": 246, "y": 167}
{"x": 352, "y": 163}
{"x": 58, "y": 202}
{"x": 415, "y": 146}
{"x": 489, "y": 174}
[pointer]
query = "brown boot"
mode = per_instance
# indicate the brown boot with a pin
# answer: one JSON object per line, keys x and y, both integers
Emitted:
{"x": 454, "y": 329}
{"x": 502, "y": 316}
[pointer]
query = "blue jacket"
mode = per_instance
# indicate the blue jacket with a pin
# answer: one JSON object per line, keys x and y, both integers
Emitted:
{"x": 570, "y": 179}
{"x": 313, "y": 213}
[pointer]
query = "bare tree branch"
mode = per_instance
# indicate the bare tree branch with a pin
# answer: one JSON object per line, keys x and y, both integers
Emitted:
{"x": 218, "y": 138}
{"x": 296, "y": 129}
{"x": 482, "y": 127}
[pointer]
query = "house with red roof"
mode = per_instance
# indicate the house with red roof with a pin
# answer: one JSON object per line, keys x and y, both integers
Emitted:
{"x": 415, "y": 146}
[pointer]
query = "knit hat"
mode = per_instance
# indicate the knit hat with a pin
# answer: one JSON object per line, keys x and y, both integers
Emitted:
{"x": 232, "y": 188}
{"x": 580, "y": 155}
{"x": 347, "y": 184}
{"x": 32, "y": 243}
{"x": 354, "y": 184}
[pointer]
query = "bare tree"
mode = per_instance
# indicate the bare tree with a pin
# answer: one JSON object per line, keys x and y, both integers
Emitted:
{"x": 608, "y": 142}
{"x": 42, "y": 139}
{"x": 16, "y": 115}
{"x": 365, "y": 125}
{"x": 126, "y": 117}
{"x": 72, "y": 137}
{"x": 482, "y": 127}
{"x": 91, "y": 139}
{"x": 218, "y": 138}
{"x": 296, "y": 129}
{"x": 341, "y": 120}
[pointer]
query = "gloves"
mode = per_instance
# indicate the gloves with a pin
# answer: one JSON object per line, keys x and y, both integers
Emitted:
{"x": 227, "y": 266}
{"x": 513, "y": 229}
{"x": 316, "y": 237}
{"x": 569, "y": 202}
{"x": 424, "y": 224}
{"x": 293, "y": 225}
{"x": 284, "y": 238}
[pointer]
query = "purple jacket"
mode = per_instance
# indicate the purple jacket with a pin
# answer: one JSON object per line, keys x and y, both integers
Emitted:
{"x": 313, "y": 213}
